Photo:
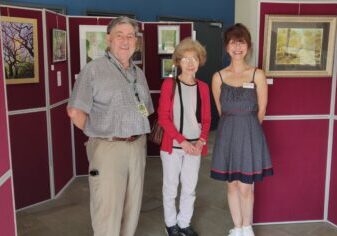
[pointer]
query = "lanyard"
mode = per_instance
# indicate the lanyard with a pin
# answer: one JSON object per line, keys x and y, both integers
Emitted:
{"x": 123, "y": 73}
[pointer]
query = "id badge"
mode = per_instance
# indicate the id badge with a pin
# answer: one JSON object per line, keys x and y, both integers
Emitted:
{"x": 142, "y": 109}
{"x": 248, "y": 85}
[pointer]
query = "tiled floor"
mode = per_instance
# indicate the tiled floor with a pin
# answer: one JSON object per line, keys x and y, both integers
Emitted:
{"x": 69, "y": 214}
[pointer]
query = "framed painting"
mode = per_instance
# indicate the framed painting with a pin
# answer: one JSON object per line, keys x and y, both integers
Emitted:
{"x": 59, "y": 43}
{"x": 168, "y": 38}
{"x": 92, "y": 42}
{"x": 167, "y": 68}
{"x": 138, "y": 56}
{"x": 20, "y": 50}
{"x": 299, "y": 46}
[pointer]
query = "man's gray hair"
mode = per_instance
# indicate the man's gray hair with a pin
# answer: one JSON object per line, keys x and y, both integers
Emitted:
{"x": 122, "y": 20}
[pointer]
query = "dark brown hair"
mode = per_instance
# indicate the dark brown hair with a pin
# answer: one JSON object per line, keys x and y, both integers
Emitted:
{"x": 237, "y": 32}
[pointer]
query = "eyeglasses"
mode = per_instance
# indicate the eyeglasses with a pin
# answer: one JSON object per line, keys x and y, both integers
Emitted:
{"x": 189, "y": 60}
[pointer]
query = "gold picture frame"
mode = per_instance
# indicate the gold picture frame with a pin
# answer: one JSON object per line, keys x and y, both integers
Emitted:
{"x": 20, "y": 50}
{"x": 299, "y": 46}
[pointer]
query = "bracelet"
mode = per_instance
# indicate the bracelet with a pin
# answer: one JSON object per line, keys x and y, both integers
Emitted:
{"x": 203, "y": 142}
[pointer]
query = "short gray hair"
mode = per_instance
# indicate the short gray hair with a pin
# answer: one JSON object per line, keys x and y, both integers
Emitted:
{"x": 122, "y": 20}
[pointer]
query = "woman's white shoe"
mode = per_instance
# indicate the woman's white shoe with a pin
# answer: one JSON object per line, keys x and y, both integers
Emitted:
{"x": 235, "y": 232}
{"x": 247, "y": 231}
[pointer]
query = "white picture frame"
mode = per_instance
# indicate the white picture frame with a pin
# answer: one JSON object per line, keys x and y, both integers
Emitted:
{"x": 92, "y": 42}
{"x": 168, "y": 38}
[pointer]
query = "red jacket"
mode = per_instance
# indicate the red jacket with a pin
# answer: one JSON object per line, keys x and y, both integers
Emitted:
{"x": 165, "y": 115}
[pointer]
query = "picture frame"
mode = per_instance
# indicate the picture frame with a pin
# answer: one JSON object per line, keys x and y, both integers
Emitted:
{"x": 59, "y": 45}
{"x": 139, "y": 54}
{"x": 168, "y": 38}
{"x": 167, "y": 68}
{"x": 21, "y": 59}
{"x": 92, "y": 42}
{"x": 299, "y": 46}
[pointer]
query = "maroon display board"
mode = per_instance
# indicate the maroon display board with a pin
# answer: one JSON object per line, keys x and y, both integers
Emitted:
{"x": 152, "y": 58}
{"x": 296, "y": 96}
{"x": 296, "y": 191}
{"x": 29, "y": 148}
{"x": 298, "y": 147}
{"x": 26, "y": 96}
{"x": 6, "y": 192}
{"x": 332, "y": 214}
{"x": 62, "y": 154}
{"x": 7, "y": 212}
{"x": 4, "y": 151}
{"x": 56, "y": 93}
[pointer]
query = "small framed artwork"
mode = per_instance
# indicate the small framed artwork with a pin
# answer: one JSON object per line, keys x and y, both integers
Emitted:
{"x": 299, "y": 46}
{"x": 167, "y": 68}
{"x": 138, "y": 55}
{"x": 92, "y": 42}
{"x": 20, "y": 50}
{"x": 59, "y": 43}
{"x": 168, "y": 38}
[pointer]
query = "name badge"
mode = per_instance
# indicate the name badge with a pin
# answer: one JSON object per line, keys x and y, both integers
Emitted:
{"x": 248, "y": 85}
{"x": 142, "y": 109}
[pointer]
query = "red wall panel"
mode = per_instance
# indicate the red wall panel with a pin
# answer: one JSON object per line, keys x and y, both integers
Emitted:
{"x": 332, "y": 214}
{"x": 296, "y": 96}
{"x": 57, "y": 93}
{"x": 299, "y": 96}
{"x": 62, "y": 154}
{"x": 6, "y": 194}
{"x": 296, "y": 191}
{"x": 74, "y": 23}
{"x": 4, "y": 152}
{"x": 152, "y": 58}
{"x": 80, "y": 138}
{"x": 25, "y": 96}
{"x": 7, "y": 211}
{"x": 29, "y": 158}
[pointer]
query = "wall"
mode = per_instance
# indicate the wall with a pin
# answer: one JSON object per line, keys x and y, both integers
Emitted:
{"x": 298, "y": 128}
{"x": 39, "y": 127}
{"x": 148, "y": 10}
{"x": 7, "y": 216}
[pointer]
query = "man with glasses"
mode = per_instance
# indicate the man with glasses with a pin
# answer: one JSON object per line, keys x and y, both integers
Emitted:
{"x": 111, "y": 103}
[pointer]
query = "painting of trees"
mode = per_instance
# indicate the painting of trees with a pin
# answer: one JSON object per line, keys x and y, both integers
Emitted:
{"x": 20, "y": 50}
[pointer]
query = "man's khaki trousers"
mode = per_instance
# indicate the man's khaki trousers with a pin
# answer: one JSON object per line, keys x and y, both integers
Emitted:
{"x": 116, "y": 175}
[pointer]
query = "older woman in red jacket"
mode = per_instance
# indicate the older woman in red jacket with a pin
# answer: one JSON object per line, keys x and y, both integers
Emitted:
{"x": 184, "y": 114}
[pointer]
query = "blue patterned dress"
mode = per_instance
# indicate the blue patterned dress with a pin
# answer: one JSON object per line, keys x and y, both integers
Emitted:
{"x": 240, "y": 149}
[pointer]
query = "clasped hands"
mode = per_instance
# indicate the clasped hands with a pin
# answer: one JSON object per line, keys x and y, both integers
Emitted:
{"x": 192, "y": 149}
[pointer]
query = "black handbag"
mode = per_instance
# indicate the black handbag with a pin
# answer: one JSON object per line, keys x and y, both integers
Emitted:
{"x": 156, "y": 134}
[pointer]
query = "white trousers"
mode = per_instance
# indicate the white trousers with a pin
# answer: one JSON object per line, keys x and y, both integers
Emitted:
{"x": 175, "y": 165}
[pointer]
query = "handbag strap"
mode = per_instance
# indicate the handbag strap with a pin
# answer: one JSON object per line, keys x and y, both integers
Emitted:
{"x": 181, "y": 109}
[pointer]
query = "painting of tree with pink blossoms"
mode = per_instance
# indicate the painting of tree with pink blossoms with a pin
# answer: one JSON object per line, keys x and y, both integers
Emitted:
{"x": 20, "y": 50}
